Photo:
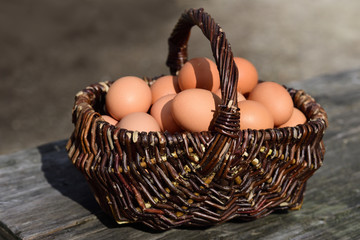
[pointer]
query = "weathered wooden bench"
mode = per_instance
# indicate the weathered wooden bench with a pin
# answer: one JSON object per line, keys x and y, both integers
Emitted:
{"x": 43, "y": 196}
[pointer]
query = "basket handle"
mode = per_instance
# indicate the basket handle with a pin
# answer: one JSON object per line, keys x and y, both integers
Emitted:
{"x": 227, "y": 119}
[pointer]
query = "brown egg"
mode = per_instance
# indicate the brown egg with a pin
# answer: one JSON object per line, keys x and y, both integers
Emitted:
{"x": 161, "y": 111}
{"x": 276, "y": 99}
{"x": 248, "y": 76}
{"x": 163, "y": 86}
{"x": 240, "y": 97}
{"x": 199, "y": 73}
{"x": 127, "y": 95}
{"x": 193, "y": 109}
{"x": 139, "y": 121}
{"x": 109, "y": 119}
{"x": 254, "y": 115}
{"x": 296, "y": 118}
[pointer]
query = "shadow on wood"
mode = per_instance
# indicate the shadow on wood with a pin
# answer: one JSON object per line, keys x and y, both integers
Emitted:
{"x": 65, "y": 178}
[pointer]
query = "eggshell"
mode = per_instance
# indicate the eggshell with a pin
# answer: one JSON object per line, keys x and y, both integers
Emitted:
{"x": 193, "y": 109}
{"x": 163, "y": 86}
{"x": 109, "y": 119}
{"x": 275, "y": 98}
{"x": 248, "y": 75}
{"x": 139, "y": 121}
{"x": 161, "y": 111}
{"x": 254, "y": 115}
{"x": 199, "y": 73}
{"x": 127, "y": 95}
{"x": 240, "y": 97}
{"x": 296, "y": 118}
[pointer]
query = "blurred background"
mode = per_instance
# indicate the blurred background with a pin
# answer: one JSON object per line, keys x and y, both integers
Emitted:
{"x": 49, "y": 50}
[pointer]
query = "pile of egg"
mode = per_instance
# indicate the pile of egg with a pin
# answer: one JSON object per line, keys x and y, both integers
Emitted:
{"x": 188, "y": 102}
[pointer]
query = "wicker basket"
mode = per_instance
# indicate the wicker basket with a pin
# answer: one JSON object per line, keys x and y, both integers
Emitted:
{"x": 196, "y": 179}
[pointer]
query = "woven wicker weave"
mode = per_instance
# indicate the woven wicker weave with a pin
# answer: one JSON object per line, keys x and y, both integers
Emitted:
{"x": 196, "y": 179}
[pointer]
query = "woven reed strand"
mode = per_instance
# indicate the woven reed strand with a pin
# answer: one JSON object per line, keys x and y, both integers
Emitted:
{"x": 162, "y": 179}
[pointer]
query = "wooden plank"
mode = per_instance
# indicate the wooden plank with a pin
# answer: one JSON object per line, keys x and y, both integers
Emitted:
{"x": 43, "y": 196}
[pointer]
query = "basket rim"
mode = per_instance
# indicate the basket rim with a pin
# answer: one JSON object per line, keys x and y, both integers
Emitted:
{"x": 317, "y": 122}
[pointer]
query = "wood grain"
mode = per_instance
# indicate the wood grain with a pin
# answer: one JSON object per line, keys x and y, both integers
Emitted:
{"x": 43, "y": 196}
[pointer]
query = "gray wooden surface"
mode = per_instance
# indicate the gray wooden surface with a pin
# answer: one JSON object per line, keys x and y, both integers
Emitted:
{"x": 42, "y": 196}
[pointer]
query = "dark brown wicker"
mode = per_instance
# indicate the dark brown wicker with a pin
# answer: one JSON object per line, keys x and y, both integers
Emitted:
{"x": 196, "y": 179}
